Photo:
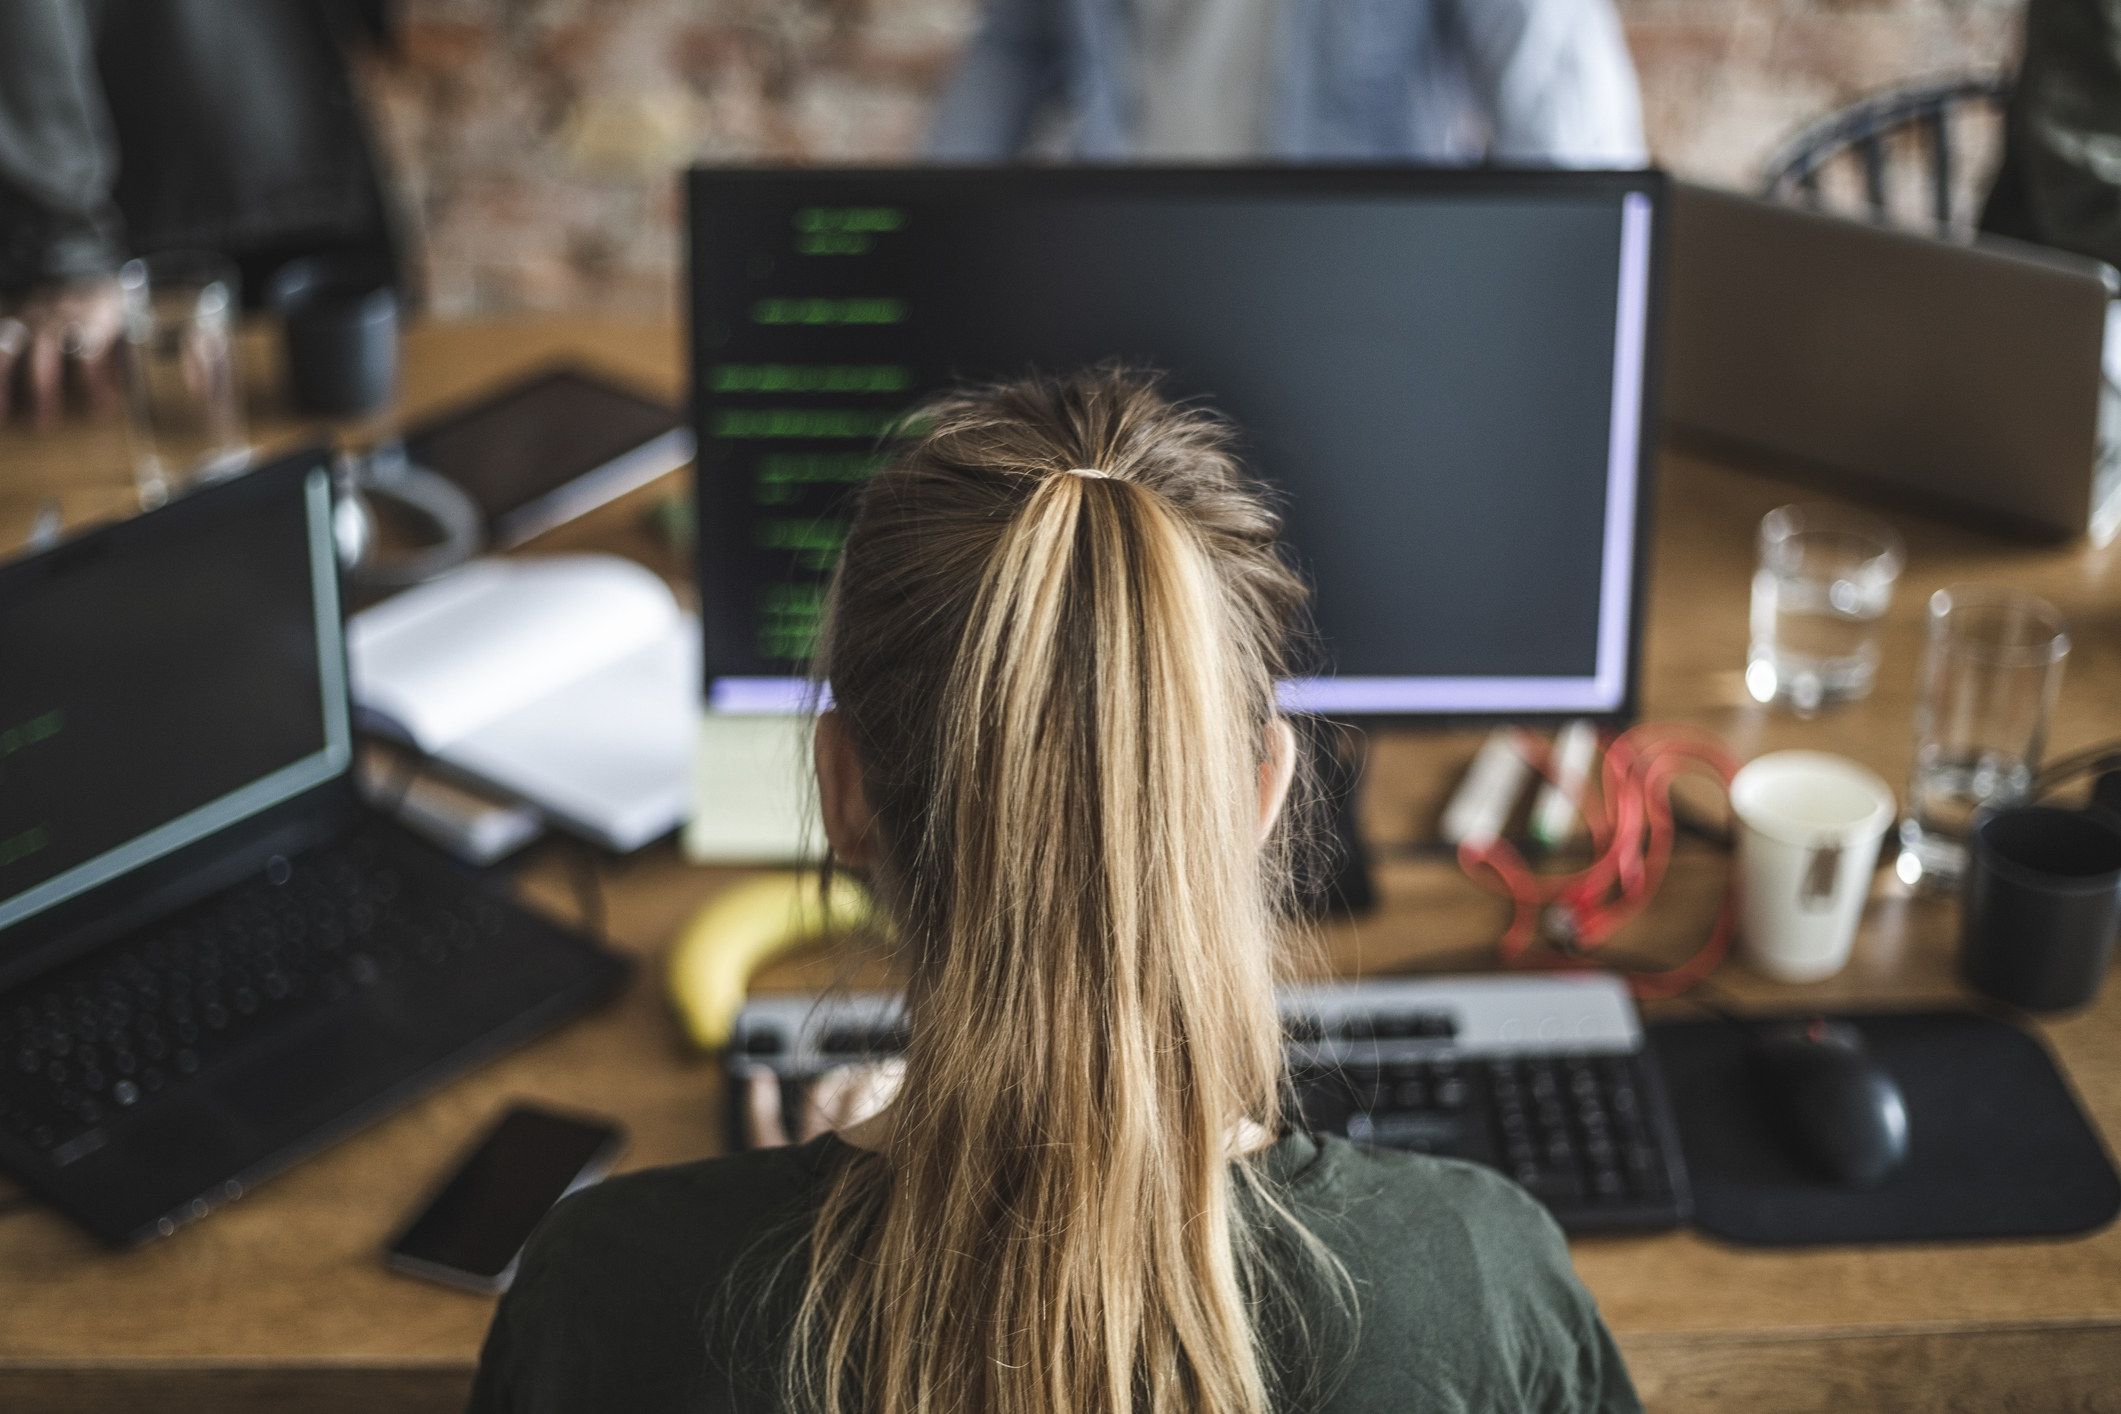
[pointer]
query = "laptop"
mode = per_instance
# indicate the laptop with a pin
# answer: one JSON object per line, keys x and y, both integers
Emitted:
{"x": 214, "y": 959}
{"x": 1957, "y": 378}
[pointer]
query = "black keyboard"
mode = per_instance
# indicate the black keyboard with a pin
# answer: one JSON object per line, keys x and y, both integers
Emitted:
{"x": 1578, "y": 1131}
{"x": 1546, "y": 1078}
{"x": 131, "y": 1022}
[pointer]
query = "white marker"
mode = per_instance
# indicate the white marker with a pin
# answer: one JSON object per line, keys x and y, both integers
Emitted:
{"x": 1556, "y": 815}
{"x": 1482, "y": 804}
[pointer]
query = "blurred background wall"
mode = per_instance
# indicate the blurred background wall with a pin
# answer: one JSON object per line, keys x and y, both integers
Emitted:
{"x": 534, "y": 141}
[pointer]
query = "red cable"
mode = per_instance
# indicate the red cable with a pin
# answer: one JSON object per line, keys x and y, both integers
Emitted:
{"x": 1631, "y": 828}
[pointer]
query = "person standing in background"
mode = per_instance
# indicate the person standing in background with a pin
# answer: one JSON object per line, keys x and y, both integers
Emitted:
{"x": 2060, "y": 182}
{"x": 1440, "y": 81}
{"x": 134, "y": 126}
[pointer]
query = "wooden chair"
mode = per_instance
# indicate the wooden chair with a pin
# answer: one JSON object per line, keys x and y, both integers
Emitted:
{"x": 1878, "y": 136}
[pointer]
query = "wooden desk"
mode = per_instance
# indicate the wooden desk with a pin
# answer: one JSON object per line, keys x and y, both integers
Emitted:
{"x": 279, "y": 1301}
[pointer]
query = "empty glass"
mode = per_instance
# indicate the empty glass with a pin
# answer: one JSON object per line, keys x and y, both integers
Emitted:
{"x": 1989, "y": 679}
{"x": 183, "y": 397}
{"x": 1825, "y": 576}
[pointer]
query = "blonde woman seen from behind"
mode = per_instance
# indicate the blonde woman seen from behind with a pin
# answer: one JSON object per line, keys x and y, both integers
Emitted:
{"x": 1052, "y": 644}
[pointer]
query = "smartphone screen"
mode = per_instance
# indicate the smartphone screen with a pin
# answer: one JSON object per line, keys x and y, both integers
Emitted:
{"x": 473, "y": 1231}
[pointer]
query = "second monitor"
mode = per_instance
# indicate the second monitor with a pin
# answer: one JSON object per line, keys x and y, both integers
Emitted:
{"x": 1444, "y": 373}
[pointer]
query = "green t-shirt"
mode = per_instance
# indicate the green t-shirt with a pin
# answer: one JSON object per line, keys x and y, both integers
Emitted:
{"x": 1465, "y": 1298}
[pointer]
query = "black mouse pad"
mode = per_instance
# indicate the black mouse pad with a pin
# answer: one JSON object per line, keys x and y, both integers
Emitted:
{"x": 1996, "y": 1144}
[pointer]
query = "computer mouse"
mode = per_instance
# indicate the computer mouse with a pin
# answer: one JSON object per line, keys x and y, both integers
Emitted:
{"x": 1840, "y": 1111}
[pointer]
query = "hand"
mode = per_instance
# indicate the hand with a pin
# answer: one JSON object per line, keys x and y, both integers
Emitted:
{"x": 838, "y": 1100}
{"x": 55, "y": 328}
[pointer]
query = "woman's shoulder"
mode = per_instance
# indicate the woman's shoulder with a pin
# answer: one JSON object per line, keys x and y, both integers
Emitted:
{"x": 609, "y": 1306}
{"x": 679, "y": 1213}
{"x": 1413, "y": 1225}
{"x": 1404, "y": 1190}
{"x": 1461, "y": 1267}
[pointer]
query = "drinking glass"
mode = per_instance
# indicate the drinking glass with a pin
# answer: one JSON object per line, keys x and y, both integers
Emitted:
{"x": 1989, "y": 678}
{"x": 184, "y": 399}
{"x": 1825, "y": 576}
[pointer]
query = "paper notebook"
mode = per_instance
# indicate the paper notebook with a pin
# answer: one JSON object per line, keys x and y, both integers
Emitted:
{"x": 569, "y": 681}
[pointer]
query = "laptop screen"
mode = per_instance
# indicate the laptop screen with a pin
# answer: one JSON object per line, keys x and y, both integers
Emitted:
{"x": 167, "y": 678}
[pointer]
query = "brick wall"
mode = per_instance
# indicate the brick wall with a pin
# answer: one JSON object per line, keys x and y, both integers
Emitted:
{"x": 534, "y": 140}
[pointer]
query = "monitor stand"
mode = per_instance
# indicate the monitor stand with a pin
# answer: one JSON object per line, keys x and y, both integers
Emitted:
{"x": 1334, "y": 881}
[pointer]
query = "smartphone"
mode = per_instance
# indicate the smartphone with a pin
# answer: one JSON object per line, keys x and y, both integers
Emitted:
{"x": 473, "y": 1231}
{"x": 548, "y": 449}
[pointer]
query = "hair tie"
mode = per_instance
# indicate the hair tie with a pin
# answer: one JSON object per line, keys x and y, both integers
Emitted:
{"x": 1088, "y": 471}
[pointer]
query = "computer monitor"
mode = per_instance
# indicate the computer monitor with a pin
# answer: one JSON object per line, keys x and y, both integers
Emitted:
{"x": 1445, "y": 374}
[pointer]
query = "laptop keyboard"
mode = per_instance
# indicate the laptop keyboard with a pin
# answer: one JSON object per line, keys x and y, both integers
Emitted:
{"x": 111, "y": 1032}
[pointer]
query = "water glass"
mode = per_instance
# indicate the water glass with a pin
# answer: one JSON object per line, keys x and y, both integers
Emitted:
{"x": 1989, "y": 679}
{"x": 184, "y": 397}
{"x": 1825, "y": 577}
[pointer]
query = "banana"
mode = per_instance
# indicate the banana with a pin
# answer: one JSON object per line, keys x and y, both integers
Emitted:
{"x": 741, "y": 929}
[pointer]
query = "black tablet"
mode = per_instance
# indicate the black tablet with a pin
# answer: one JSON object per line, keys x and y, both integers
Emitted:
{"x": 549, "y": 448}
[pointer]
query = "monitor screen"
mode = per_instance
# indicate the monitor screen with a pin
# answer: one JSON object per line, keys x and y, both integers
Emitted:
{"x": 167, "y": 678}
{"x": 1442, "y": 374}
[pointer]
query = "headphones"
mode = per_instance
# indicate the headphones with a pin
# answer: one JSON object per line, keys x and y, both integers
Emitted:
{"x": 387, "y": 474}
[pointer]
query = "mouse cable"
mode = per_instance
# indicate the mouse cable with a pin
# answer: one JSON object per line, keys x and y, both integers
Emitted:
{"x": 1631, "y": 821}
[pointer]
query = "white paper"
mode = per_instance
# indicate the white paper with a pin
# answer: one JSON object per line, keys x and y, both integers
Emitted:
{"x": 606, "y": 755}
{"x": 753, "y": 799}
{"x": 570, "y": 682}
{"x": 452, "y": 656}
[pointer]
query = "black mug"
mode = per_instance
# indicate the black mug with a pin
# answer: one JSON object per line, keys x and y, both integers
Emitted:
{"x": 341, "y": 320}
{"x": 2042, "y": 905}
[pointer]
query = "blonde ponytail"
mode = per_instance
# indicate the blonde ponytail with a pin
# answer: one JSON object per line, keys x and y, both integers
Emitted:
{"x": 1060, "y": 686}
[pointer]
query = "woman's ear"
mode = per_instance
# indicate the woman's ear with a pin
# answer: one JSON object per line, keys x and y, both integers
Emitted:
{"x": 850, "y": 825}
{"x": 1275, "y": 774}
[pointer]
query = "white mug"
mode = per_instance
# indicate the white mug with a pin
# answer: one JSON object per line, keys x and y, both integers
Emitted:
{"x": 1809, "y": 829}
